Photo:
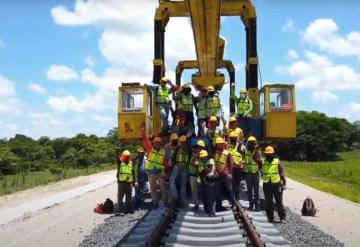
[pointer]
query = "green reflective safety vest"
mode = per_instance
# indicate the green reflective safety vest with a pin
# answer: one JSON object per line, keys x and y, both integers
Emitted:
{"x": 243, "y": 105}
{"x": 162, "y": 95}
{"x": 250, "y": 164}
{"x": 201, "y": 179}
{"x": 220, "y": 160}
{"x": 156, "y": 159}
{"x": 188, "y": 102}
{"x": 193, "y": 169}
{"x": 270, "y": 171}
{"x": 126, "y": 172}
{"x": 237, "y": 158}
{"x": 213, "y": 106}
{"x": 202, "y": 108}
{"x": 182, "y": 159}
{"x": 212, "y": 134}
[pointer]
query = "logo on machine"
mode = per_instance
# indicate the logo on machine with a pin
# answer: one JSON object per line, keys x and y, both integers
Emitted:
{"x": 128, "y": 128}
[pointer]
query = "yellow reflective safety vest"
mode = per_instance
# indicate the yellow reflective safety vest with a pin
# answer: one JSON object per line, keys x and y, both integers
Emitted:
{"x": 221, "y": 160}
{"x": 238, "y": 131}
{"x": 156, "y": 159}
{"x": 237, "y": 158}
{"x": 250, "y": 164}
{"x": 162, "y": 95}
{"x": 193, "y": 168}
{"x": 212, "y": 134}
{"x": 188, "y": 102}
{"x": 126, "y": 172}
{"x": 202, "y": 108}
{"x": 213, "y": 106}
{"x": 182, "y": 159}
{"x": 270, "y": 171}
{"x": 243, "y": 105}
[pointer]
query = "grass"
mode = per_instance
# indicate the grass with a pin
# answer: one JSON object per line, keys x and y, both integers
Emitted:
{"x": 13, "y": 183}
{"x": 340, "y": 178}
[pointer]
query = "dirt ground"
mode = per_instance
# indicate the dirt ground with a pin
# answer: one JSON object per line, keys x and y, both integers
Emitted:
{"x": 335, "y": 216}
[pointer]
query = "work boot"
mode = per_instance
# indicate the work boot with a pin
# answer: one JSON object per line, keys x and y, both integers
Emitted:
{"x": 251, "y": 207}
{"x": 271, "y": 220}
{"x": 195, "y": 208}
{"x": 220, "y": 208}
{"x": 257, "y": 207}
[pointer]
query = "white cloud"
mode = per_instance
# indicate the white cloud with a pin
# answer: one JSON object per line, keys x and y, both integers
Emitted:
{"x": 6, "y": 87}
{"x": 318, "y": 72}
{"x": 36, "y": 88}
{"x": 9, "y": 104}
{"x": 323, "y": 34}
{"x": 90, "y": 61}
{"x": 324, "y": 96}
{"x": 61, "y": 73}
{"x": 292, "y": 54}
{"x": 350, "y": 111}
{"x": 289, "y": 26}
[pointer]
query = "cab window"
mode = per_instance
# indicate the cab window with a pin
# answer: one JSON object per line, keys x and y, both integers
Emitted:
{"x": 132, "y": 99}
{"x": 280, "y": 99}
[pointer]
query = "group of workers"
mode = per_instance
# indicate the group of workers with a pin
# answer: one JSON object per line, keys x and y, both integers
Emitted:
{"x": 214, "y": 161}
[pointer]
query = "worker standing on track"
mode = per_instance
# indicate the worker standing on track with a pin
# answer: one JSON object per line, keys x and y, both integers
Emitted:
{"x": 224, "y": 166}
{"x": 213, "y": 105}
{"x": 187, "y": 100}
{"x": 212, "y": 132}
{"x": 172, "y": 147}
{"x": 207, "y": 175}
{"x": 155, "y": 166}
{"x": 194, "y": 173}
{"x": 202, "y": 111}
{"x": 274, "y": 183}
{"x": 237, "y": 170}
{"x": 252, "y": 163}
{"x": 127, "y": 179}
{"x": 142, "y": 178}
{"x": 244, "y": 107}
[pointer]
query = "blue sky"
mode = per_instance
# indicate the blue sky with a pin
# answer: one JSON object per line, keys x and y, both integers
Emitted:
{"x": 61, "y": 61}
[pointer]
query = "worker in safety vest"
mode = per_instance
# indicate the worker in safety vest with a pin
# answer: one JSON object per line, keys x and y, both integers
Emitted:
{"x": 213, "y": 105}
{"x": 155, "y": 166}
{"x": 162, "y": 100}
{"x": 186, "y": 99}
{"x": 244, "y": 107}
{"x": 238, "y": 164}
{"x": 179, "y": 124}
{"x": 224, "y": 166}
{"x": 233, "y": 127}
{"x": 252, "y": 162}
{"x": 127, "y": 179}
{"x": 172, "y": 147}
{"x": 274, "y": 182}
{"x": 194, "y": 173}
{"x": 202, "y": 111}
{"x": 212, "y": 132}
{"x": 180, "y": 161}
{"x": 207, "y": 177}
{"x": 142, "y": 178}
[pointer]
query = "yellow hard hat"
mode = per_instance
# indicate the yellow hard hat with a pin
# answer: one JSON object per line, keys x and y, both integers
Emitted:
{"x": 211, "y": 89}
{"x": 140, "y": 149}
{"x": 219, "y": 140}
{"x": 200, "y": 143}
{"x": 203, "y": 153}
{"x": 269, "y": 150}
{"x": 186, "y": 86}
{"x": 233, "y": 134}
{"x": 213, "y": 119}
{"x": 182, "y": 138}
{"x": 174, "y": 136}
{"x": 232, "y": 119}
{"x": 243, "y": 90}
{"x": 125, "y": 153}
{"x": 251, "y": 139}
{"x": 157, "y": 139}
{"x": 164, "y": 79}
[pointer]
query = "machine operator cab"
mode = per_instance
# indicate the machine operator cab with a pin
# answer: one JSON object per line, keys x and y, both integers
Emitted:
{"x": 278, "y": 111}
{"x": 136, "y": 108}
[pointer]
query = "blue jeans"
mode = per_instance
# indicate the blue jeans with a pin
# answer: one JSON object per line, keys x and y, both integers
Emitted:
{"x": 208, "y": 197}
{"x": 224, "y": 181}
{"x": 143, "y": 188}
{"x": 182, "y": 177}
{"x": 252, "y": 184}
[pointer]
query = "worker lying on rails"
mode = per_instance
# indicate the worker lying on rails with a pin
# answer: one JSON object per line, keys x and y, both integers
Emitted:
{"x": 186, "y": 99}
{"x": 252, "y": 162}
{"x": 224, "y": 166}
{"x": 233, "y": 126}
{"x": 237, "y": 171}
{"x": 212, "y": 132}
{"x": 202, "y": 111}
{"x": 162, "y": 100}
{"x": 194, "y": 173}
{"x": 142, "y": 177}
{"x": 207, "y": 177}
{"x": 244, "y": 107}
{"x": 274, "y": 183}
{"x": 155, "y": 166}
{"x": 213, "y": 105}
{"x": 127, "y": 179}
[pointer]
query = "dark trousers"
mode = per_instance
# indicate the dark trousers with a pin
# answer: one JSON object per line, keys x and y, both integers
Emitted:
{"x": 189, "y": 118}
{"x": 143, "y": 189}
{"x": 208, "y": 197}
{"x": 124, "y": 190}
{"x": 244, "y": 124}
{"x": 236, "y": 181}
{"x": 252, "y": 184}
{"x": 273, "y": 191}
{"x": 224, "y": 181}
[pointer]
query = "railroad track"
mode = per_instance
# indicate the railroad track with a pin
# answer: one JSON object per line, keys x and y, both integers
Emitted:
{"x": 182, "y": 227}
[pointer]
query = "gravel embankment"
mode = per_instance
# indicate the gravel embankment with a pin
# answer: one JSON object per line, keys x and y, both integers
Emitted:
{"x": 303, "y": 234}
{"x": 112, "y": 230}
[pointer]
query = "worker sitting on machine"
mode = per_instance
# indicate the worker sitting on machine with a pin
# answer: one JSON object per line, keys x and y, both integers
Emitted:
{"x": 187, "y": 100}
{"x": 244, "y": 107}
{"x": 179, "y": 127}
{"x": 213, "y": 105}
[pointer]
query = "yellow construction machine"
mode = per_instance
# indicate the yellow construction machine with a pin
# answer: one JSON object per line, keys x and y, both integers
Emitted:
{"x": 274, "y": 109}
